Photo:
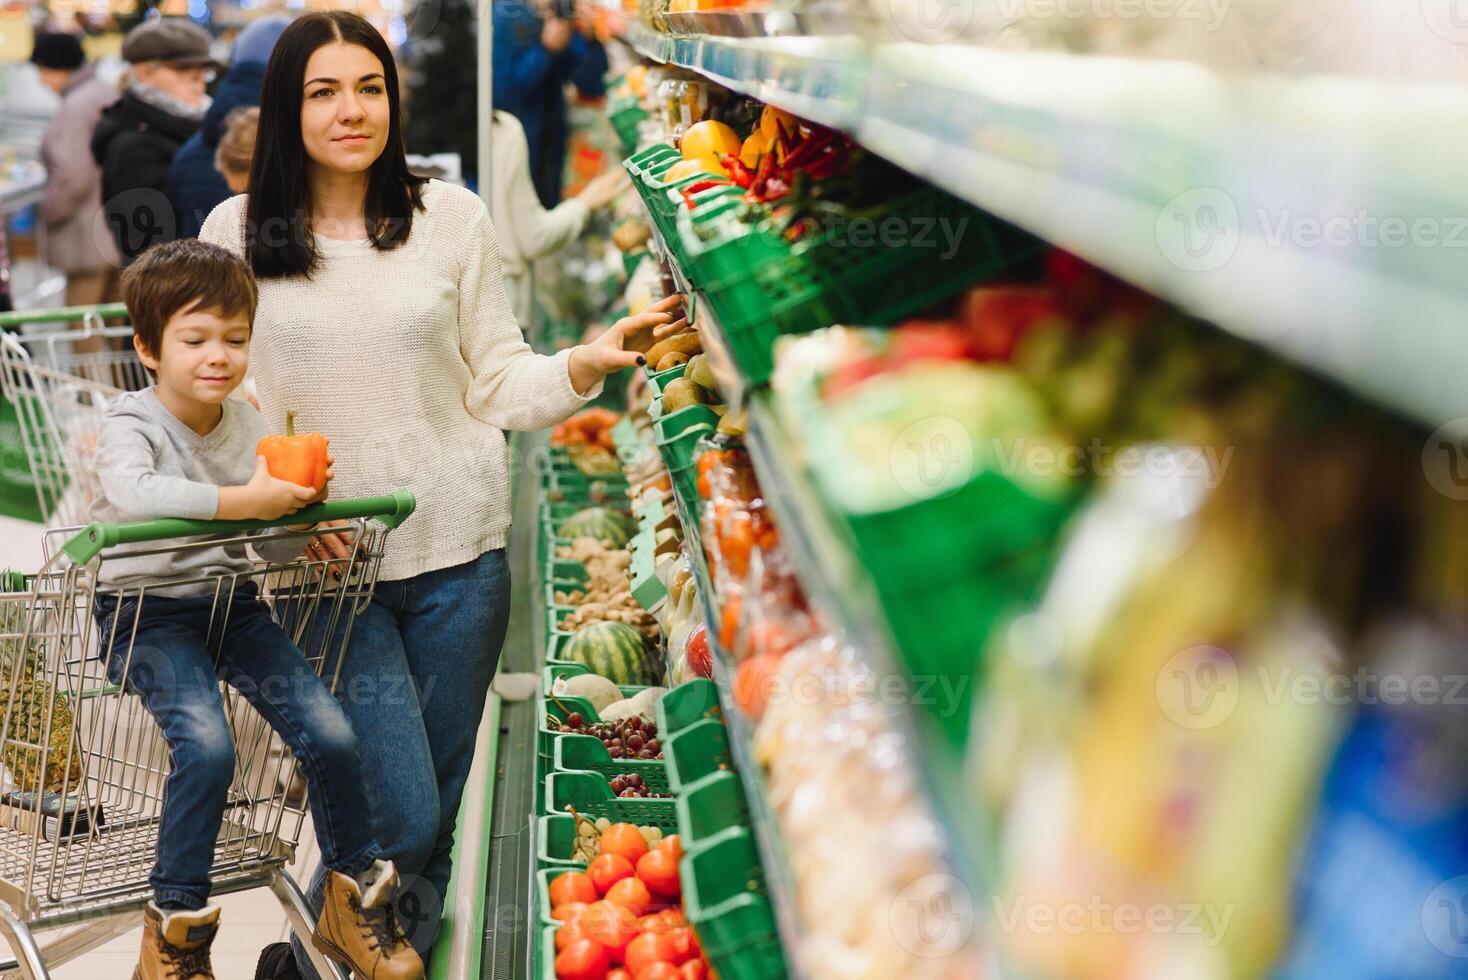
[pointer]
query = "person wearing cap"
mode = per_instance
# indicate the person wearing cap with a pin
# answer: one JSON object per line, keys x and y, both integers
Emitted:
{"x": 162, "y": 105}
{"x": 195, "y": 185}
{"x": 71, "y": 206}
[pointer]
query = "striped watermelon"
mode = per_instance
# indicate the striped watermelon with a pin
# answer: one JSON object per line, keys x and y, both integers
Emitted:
{"x": 616, "y": 651}
{"x": 600, "y": 523}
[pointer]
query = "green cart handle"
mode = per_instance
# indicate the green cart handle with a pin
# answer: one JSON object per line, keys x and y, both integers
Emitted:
{"x": 391, "y": 510}
{"x": 65, "y": 314}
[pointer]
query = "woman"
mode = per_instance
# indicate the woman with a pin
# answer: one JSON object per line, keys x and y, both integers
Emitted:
{"x": 383, "y": 323}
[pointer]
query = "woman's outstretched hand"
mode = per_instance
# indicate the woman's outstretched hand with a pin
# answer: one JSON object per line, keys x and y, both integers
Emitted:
{"x": 623, "y": 343}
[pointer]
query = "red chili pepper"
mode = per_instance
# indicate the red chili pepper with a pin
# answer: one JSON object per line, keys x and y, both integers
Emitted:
{"x": 738, "y": 172}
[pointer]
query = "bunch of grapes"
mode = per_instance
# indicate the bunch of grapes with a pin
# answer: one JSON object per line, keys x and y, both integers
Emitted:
{"x": 635, "y": 738}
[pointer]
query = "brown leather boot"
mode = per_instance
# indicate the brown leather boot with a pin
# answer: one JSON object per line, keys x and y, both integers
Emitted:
{"x": 176, "y": 944}
{"x": 362, "y": 932}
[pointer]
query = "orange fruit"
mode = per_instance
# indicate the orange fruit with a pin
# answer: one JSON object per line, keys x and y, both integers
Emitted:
{"x": 573, "y": 886}
{"x": 637, "y": 80}
{"x": 709, "y": 138}
{"x": 631, "y": 894}
{"x": 647, "y": 949}
{"x": 672, "y": 844}
{"x": 772, "y": 120}
{"x": 607, "y": 870}
{"x": 624, "y": 839}
{"x": 754, "y": 682}
{"x": 659, "y": 872}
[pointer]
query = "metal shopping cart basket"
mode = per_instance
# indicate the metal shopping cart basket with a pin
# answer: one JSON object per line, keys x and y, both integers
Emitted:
{"x": 83, "y": 765}
{"x": 59, "y": 379}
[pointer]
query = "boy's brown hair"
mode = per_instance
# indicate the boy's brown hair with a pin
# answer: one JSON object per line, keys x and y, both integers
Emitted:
{"x": 181, "y": 275}
{"x": 237, "y": 145}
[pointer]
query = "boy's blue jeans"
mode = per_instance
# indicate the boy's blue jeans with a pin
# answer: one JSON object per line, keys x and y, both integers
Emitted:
{"x": 175, "y": 673}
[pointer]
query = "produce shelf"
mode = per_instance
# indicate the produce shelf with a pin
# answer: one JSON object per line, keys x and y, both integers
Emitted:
{"x": 774, "y": 856}
{"x": 1149, "y": 169}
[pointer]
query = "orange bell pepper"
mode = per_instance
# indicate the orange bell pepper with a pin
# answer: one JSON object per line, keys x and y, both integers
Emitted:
{"x": 299, "y": 459}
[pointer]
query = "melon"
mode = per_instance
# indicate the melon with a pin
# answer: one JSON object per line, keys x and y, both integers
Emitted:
{"x": 598, "y": 690}
{"x": 600, "y": 523}
{"x": 615, "y": 651}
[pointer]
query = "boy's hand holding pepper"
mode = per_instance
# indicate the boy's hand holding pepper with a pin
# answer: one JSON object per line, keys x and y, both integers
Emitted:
{"x": 264, "y": 498}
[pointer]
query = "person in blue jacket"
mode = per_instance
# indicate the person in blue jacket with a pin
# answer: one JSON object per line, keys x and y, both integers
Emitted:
{"x": 537, "y": 50}
{"x": 195, "y": 187}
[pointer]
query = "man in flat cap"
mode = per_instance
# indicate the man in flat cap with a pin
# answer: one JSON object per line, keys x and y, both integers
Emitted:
{"x": 169, "y": 67}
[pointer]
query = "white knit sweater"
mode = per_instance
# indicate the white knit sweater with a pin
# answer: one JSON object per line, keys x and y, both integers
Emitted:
{"x": 410, "y": 362}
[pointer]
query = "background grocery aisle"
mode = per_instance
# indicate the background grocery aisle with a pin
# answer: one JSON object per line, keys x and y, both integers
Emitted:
{"x": 1043, "y": 554}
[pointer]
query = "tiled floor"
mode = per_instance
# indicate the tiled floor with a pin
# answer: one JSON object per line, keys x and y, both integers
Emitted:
{"x": 249, "y": 920}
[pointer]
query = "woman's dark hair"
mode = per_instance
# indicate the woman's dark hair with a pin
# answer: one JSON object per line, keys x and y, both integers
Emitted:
{"x": 278, "y": 236}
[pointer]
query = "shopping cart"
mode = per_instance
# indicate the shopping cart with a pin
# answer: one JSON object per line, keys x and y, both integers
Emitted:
{"x": 60, "y": 378}
{"x": 83, "y": 764}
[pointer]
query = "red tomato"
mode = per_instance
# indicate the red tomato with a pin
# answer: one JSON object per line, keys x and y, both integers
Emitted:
{"x": 631, "y": 894}
{"x": 567, "y": 911}
{"x": 659, "y": 971}
{"x": 692, "y": 970}
{"x": 611, "y": 925}
{"x": 573, "y": 886}
{"x": 647, "y": 949}
{"x": 685, "y": 945}
{"x": 673, "y": 844}
{"x": 569, "y": 933}
{"x": 619, "y": 974}
{"x": 606, "y": 871}
{"x": 753, "y": 684}
{"x": 659, "y": 872}
{"x": 582, "y": 960}
{"x": 700, "y": 658}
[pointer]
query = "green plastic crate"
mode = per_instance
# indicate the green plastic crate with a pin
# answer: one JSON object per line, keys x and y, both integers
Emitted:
{"x": 688, "y": 703}
{"x": 658, "y": 380}
{"x": 647, "y": 588}
{"x": 708, "y": 806}
{"x": 724, "y": 900}
{"x": 760, "y": 290}
{"x": 555, "y": 836}
{"x": 584, "y": 753}
{"x": 646, "y": 169}
{"x": 695, "y": 752}
{"x": 677, "y": 440}
{"x": 625, "y": 118}
{"x": 590, "y": 795}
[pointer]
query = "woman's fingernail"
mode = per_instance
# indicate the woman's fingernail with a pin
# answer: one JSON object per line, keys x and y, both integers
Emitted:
{"x": 641, "y": 361}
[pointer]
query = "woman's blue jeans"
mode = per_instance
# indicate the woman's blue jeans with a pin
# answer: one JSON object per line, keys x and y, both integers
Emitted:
{"x": 417, "y": 670}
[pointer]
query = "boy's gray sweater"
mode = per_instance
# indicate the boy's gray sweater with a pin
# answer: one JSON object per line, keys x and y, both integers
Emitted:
{"x": 150, "y": 465}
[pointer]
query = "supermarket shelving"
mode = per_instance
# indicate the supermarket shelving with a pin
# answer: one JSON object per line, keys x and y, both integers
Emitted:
{"x": 838, "y": 586}
{"x": 774, "y": 857}
{"x": 1151, "y": 169}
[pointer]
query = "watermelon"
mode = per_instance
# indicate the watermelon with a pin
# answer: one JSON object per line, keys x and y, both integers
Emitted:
{"x": 616, "y": 651}
{"x": 604, "y": 525}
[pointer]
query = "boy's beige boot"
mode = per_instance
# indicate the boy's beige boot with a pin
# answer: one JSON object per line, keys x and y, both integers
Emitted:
{"x": 362, "y": 932}
{"x": 176, "y": 944}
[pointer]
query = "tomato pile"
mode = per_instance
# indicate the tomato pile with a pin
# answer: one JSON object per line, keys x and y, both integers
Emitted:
{"x": 622, "y": 917}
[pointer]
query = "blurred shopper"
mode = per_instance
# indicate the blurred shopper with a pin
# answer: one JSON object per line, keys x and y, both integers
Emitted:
{"x": 71, "y": 208}
{"x": 527, "y": 230}
{"x": 195, "y": 185}
{"x": 538, "y": 50}
{"x": 135, "y": 141}
{"x": 236, "y": 150}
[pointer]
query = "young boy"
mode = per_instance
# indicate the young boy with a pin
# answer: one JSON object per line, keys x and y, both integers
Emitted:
{"x": 184, "y": 448}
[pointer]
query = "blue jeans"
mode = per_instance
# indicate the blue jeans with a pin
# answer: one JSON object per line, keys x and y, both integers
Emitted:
{"x": 417, "y": 670}
{"x": 172, "y": 668}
